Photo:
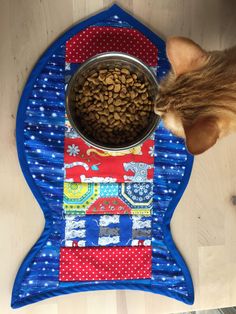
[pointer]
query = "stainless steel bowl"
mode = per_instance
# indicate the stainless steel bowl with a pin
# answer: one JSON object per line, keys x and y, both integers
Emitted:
{"x": 110, "y": 60}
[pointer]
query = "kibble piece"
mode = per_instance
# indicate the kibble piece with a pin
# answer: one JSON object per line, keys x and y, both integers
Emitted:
{"x": 84, "y": 100}
{"x": 144, "y": 96}
{"x": 109, "y": 80}
{"x": 117, "y": 88}
{"x": 96, "y": 97}
{"x": 110, "y": 87}
{"x": 102, "y": 77}
{"x": 123, "y": 79}
{"x": 86, "y": 92}
{"x": 103, "y": 119}
{"x": 116, "y": 116}
{"x": 93, "y": 80}
{"x": 143, "y": 113}
{"x": 129, "y": 80}
{"x": 125, "y": 71}
{"x": 117, "y": 102}
{"x": 132, "y": 94}
{"x": 105, "y": 112}
{"x": 123, "y": 118}
{"x": 111, "y": 108}
{"x": 124, "y": 90}
{"x": 116, "y": 123}
{"x": 101, "y": 97}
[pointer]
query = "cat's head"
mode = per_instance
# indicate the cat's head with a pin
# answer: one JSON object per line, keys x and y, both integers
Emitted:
{"x": 189, "y": 97}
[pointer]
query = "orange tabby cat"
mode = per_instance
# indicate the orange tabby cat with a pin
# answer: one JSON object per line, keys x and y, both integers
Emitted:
{"x": 197, "y": 99}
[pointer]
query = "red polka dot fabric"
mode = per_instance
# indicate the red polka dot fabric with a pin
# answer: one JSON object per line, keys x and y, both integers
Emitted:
{"x": 98, "y": 39}
{"x": 105, "y": 263}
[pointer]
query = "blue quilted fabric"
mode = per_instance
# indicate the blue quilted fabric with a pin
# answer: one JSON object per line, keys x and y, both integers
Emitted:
{"x": 40, "y": 142}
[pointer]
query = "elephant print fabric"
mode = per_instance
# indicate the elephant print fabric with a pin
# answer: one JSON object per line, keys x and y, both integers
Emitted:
{"x": 107, "y": 215}
{"x": 84, "y": 163}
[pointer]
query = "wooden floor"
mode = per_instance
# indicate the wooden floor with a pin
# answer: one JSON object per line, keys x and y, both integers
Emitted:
{"x": 204, "y": 225}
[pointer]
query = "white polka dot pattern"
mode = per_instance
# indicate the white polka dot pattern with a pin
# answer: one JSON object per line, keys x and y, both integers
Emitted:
{"x": 105, "y": 263}
{"x": 98, "y": 39}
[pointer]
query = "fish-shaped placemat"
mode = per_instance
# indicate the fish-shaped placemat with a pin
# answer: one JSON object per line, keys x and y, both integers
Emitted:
{"x": 105, "y": 228}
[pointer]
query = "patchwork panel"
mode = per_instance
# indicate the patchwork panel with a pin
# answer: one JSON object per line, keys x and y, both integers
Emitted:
{"x": 100, "y": 182}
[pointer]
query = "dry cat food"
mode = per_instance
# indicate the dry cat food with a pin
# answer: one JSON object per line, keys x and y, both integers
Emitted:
{"x": 113, "y": 106}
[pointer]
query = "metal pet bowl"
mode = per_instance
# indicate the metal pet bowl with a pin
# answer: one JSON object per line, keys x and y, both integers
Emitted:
{"x": 111, "y": 60}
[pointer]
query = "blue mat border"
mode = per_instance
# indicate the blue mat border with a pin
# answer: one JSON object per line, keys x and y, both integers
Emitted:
{"x": 116, "y": 10}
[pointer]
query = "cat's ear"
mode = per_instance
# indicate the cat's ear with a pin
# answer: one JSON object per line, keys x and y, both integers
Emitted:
{"x": 185, "y": 55}
{"x": 201, "y": 135}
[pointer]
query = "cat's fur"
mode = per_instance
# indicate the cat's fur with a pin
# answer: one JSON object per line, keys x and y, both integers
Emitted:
{"x": 197, "y": 99}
